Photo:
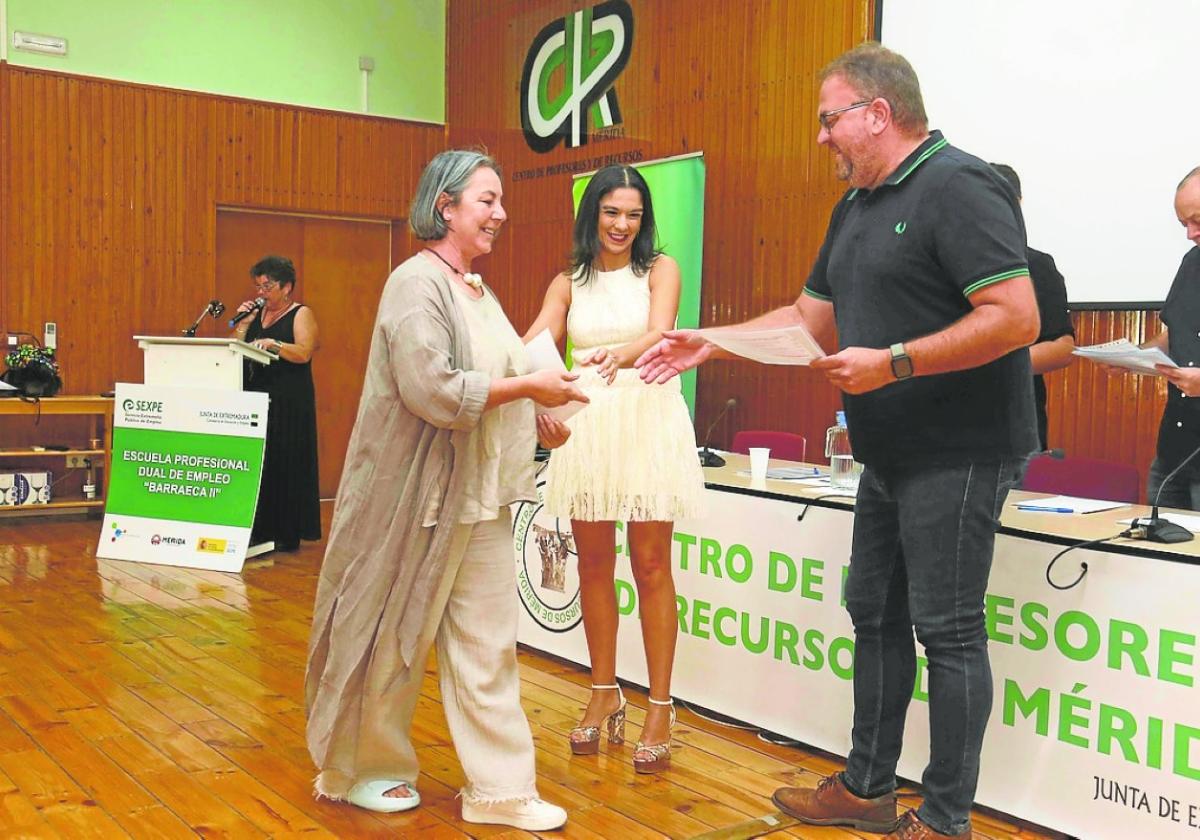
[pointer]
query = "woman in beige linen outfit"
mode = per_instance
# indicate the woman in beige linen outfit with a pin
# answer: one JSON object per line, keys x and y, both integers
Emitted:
{"x": 420, "y": 549}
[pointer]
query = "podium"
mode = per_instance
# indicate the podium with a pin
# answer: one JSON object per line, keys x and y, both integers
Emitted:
{"x": 187, "y": 460}
{"x": 197, "y": 362}
{"x": 187, "y": 361}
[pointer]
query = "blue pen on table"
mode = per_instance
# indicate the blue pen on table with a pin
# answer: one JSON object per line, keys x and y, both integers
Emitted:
{"x": 1038, "y": 509}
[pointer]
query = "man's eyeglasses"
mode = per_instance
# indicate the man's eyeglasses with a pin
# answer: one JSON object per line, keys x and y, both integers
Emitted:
{"x": 824, "y": 117}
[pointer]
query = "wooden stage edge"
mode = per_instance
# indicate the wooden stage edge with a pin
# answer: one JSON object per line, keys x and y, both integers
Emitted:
{"x": 151, "y": 701}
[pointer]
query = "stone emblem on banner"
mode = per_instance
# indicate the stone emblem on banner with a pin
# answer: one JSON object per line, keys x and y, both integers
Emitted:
{"x": 547, "y": 568}
{"x": 569, "y": 72}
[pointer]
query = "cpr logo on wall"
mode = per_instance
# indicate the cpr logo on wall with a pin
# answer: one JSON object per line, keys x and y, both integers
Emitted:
{"x": 569, "y": 72}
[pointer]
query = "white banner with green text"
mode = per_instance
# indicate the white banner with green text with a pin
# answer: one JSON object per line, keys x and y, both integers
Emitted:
{"x": 1095, "y": 727}
{"x": 186, "y": 466}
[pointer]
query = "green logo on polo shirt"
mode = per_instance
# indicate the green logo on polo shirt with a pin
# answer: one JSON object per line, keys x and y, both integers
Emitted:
{"x": 900, "y": 227}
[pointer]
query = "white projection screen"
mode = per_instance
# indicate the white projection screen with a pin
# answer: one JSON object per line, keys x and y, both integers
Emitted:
{"x": 1095, "y": 104}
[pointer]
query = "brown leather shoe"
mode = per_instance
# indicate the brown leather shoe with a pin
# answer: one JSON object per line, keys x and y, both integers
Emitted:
{"x": 830, "y": 803}
{"x": 910, "y": 827}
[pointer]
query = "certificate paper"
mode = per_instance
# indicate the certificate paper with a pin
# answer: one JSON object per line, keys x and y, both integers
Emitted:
{"x": 1126, "y": 354}
{"x": 1067, "y": 504}
{"x": 792, "y": 345}
{"x": 541, "y": 354}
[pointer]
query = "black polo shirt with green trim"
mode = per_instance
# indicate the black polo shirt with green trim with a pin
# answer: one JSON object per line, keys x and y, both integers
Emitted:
{"x": 1179, "y": 430}
{"x": 899, "y": 262}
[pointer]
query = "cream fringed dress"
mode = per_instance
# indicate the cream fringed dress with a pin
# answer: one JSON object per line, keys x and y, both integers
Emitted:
{"x": 631, "y": 456}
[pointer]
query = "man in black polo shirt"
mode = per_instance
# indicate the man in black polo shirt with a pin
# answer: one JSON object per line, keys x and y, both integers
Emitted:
{"x": 1052, "y": 350}
{"x": 1179, "y": 432}
{"x": 923, "y": 270}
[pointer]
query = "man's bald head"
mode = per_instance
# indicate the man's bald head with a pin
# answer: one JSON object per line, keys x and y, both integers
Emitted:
{"x": 1191, "y": 176}
{"x": 1187, "y": 204}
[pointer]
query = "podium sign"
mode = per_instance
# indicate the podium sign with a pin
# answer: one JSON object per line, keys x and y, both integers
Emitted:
{"x": 186, "y": 466}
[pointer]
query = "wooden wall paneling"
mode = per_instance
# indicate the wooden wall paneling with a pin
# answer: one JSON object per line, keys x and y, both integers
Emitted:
{"x": 402, "y": 243}
{"x": 1098, "y": 416}
{"x": 243, "y": 238}
{"x": 110, "y": 192}
{"x": 347, "y": 263}
{"x": 341, "y": 265}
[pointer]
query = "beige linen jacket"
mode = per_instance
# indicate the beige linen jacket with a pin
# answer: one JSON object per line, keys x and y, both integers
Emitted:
{"x": 419, "y": 403}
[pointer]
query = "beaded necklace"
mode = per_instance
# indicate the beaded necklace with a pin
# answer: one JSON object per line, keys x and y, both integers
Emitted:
{"x": 471, "y": 279}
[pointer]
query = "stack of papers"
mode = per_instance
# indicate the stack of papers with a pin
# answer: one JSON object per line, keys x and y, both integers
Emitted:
{"x": 1067, "y": 504}
{"x": 1126, "y": 354}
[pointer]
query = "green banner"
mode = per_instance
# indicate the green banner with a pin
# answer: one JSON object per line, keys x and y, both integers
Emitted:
{"x": 185, "y": 476}
{"x": 677, "y": 187}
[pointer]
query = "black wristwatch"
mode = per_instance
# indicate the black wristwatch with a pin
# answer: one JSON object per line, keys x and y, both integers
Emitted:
{"x": 901, "y": 364}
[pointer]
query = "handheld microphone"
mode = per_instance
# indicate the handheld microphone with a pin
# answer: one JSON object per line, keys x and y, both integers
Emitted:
{"x": 707, "y": 457}
{"x": 259, "y": 303}
{"x": 1156, "y": 529}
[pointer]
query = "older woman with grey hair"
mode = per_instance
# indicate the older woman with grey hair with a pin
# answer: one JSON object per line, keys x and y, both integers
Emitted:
{"x": 420, "y": 550}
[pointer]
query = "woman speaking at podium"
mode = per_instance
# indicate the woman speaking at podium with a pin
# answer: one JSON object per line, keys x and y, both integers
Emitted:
{"x": 288, "y": 499}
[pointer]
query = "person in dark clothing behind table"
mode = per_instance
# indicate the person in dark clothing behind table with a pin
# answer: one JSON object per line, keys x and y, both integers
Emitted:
{"x": 288, "y": 498}
{"x": 1054, "y": 344}
{"x": 1179, "y": 432}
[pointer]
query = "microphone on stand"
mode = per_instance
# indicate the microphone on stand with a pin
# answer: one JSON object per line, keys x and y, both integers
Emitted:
{"x": 1157, "y": 529}
{"x": 709, "y": 458}
{"x": 1153, "y": 528}
{"x": 259, "y": 303}
{"x": 214, "y": 308}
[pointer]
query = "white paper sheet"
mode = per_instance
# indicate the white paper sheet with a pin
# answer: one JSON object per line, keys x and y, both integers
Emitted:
{"x": 1066, "y": 504}
{"x": 792, "y": 345}
{"x": 1184, "y": 520}
{"x": 542, "y": 354}
{"x": 798, "y": 475}
{"x": 1126, "y": 354}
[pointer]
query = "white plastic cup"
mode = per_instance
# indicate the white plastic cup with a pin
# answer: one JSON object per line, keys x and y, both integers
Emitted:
{"x": 759, "y": 456}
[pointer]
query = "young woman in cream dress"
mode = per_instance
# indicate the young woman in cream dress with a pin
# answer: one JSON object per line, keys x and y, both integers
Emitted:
{"x": 631, "y": 456}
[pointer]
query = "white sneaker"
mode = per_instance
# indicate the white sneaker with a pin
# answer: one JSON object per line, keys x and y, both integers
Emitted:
{"x": 528, "y": 814}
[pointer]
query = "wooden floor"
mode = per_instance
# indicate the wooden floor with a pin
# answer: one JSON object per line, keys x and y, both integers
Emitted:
{"x": 147, "y": 701}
